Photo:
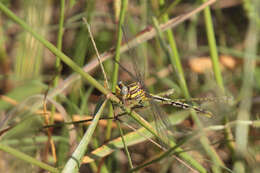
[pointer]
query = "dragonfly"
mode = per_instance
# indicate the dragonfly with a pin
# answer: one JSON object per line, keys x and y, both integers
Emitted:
{"x": 135, "y": 92}
{"x": 134, "y": 95}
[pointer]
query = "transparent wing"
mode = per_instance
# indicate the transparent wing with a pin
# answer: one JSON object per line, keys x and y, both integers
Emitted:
{"x": 159, "y": 116}
{"x": 139, "y": 76}
{"x": 162, "y": 123}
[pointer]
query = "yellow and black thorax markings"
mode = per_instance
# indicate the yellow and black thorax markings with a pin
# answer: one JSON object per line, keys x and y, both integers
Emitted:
{"x": 131, "y": 92}
{"x": 135, "y": 92}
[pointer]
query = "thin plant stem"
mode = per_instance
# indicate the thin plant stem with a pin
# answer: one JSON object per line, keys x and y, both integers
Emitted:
{"x": 118, "y": 43}
{"x": 148, "y": 127}
{"x": 58, "y": 53}
{"x": 56, "y": 79}
{"x": 125, "y": 146}
{"x": 59, "y": 40}
{"x": 168, "y": 8}
{"x": 206, "y": 145}
{"x": 117, "y": 59}
{"x": 217, "y": 72}
{"x": 76, "y": 158}
{"x": 97, "y": 53}
{"x": 173, "y": 150}
{"x": 27, "y": 158}
{"x": 203, "y": 138}
{"x": 246, "y": 92}
{"x": 141, "y": 37}
{"x": 175, "y": 58}
{"x": 213, "y": 47}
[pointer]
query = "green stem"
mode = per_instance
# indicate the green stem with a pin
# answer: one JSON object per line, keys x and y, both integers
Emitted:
{"x": 213, "y": 47}
{"x": 246, "y": 92}
{"x": 118, "y": 44}
{"x": 59, "y": 40}
{"x": 148, "y": 127}
{"x": 57, "y": 52}
{"x": 117, "y": 58}
{"x": 125, "y": 146}
{"x": 59, "y": 47}
{"x": 175, "y": 58}
{"x": 76, "y": 158}
{"x": 27, "y": 158}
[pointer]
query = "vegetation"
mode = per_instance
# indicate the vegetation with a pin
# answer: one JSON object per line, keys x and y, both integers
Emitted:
{"x": 60, "y": 62}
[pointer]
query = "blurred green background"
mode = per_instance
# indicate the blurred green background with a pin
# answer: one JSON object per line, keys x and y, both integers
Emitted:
{"x": 212, "y": 55}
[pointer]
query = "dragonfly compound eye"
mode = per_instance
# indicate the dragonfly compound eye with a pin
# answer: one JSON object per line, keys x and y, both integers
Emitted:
{"x": 124, "y": 90}
{"x": 120, "y": 83}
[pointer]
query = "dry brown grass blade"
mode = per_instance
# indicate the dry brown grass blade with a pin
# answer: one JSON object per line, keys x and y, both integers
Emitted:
{"x": 50, "y": 142}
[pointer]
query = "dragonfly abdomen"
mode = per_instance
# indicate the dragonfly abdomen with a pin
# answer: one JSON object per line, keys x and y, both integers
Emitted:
{"x": 178, "y": 104}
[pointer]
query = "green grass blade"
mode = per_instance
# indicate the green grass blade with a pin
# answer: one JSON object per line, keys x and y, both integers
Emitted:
{"x": 148, "y": 127}
{"x": 118, "y": 44}
{"x": 56, "y": 51}
{"x": 76, "y": 158}
{"x": 135, "y": 138}
{"x": 117, "y": 59}
{"x": 27, "y": 158}
{"x": 174, "y": 55}
{"x": 213, "y": 47}
{"x": 132, "y": 138}
{"x": 246, "y": 92}
{"x": 125, "y": 146}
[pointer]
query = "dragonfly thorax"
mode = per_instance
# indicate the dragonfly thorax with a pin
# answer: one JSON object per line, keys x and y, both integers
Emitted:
{"x": 131, "y": 92}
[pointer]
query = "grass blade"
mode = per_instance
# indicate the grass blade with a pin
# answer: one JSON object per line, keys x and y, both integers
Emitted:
{"x": 73, "y": 163}
{"x": 27, "y": 158}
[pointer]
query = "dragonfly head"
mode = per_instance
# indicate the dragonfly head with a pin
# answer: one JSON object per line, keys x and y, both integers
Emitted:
{"x": 122, "y": 89}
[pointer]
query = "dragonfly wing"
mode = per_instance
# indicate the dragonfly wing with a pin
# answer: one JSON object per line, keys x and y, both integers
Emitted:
{"x": 162, "y": 123}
